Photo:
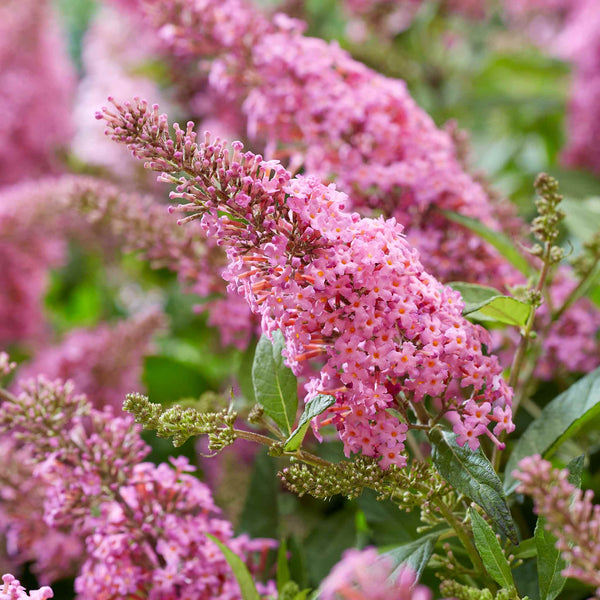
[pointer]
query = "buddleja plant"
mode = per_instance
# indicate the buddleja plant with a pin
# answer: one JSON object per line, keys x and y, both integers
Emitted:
{"x": 390, "y": 361}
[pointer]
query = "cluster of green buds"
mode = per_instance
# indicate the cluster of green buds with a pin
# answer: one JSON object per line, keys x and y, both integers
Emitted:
{"x": 545, "y": 227}
{"x": 181, "y": 422}
{"x": 453, "y": 589}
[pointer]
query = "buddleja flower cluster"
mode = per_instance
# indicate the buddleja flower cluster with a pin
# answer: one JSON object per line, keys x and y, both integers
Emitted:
{"x": 144, "y": 526}
{"x": 349, "y": 294}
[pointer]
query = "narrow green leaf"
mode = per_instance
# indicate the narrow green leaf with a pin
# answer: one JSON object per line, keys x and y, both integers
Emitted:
{"x": 471, "y": 473}
{"x": 484, "y": 303}
{"x": 501, "y": 242}
{"x": 525, "y": 549}
{"x": 314, "y": 408}
{"x": 549, "y": 562}
{"x": 275, "y": 385}
{"x": 283, "y": 569}
{"x": 415, "y": 554}
{"x": 240, "y": 571}
{"x": 559, "y": 421}
{"x": 490, "y": 551}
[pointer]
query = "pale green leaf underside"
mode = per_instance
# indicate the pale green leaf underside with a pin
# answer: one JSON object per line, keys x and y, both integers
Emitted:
{"x": 314, "y": 408}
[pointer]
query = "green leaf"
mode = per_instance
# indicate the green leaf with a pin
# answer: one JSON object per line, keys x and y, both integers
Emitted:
{"x": 560, "y": 420}
{"x": 575, "y": 468}
{"x": 244, "y": 376}
{"x": 313, "y": 409}
{"x": 501, "y": 242}
{"x": 549, "y": 562}
{"x": 275, "y": 385}
{"x": 283, "y": 569}
{"x": 488, "y": 304}
{"x": 387, "y": 525}
{"x": 240, "y": 571}
{"x": 472, "y": 474}
{"x": 262, "y": 492}
{"x": 327, "y": 541}
{"x": 525, "y": 549}
{"x": 415, "y": 554}
{"x": 490, "y": 551}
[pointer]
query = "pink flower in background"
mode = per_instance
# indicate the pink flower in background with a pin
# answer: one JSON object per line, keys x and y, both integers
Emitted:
{"x": 104, "y": 363}
{"x": 37, "y": 82}
{"x": 13, "y": 590}
{"x": 366, "y": 575}
{"x": 117, "y": 55}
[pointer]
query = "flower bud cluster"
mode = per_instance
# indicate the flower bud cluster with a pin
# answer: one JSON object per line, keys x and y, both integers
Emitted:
{"x": 182, "y": 423}
{"x": 569, "y": 514}
{"x": 545, "y": 225}
{"x": 349, "y": 294}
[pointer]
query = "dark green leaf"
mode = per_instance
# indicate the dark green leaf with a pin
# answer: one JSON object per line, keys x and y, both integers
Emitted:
{"x": 472, "y": 474}
{"x": 244, "y": 376}
{"x": 240, "y": 571}
{"x": 326, "y": 543}
{"x": 262, "y": 492}
{"x": 388, "y": 526}
{"x": 501, "y": 242}
{"x": 297, "y": 562}
{"x": 490, "y": 551}
{"x": 275, "y": 385}
{"x": 559, "y": 421}
{"x": 487, "y": 304}
{"x": 415, "y": 554}
{"x": 283, "y": 569}
{"x": 575, "y": 468}
{"x": 314, "y": 408}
